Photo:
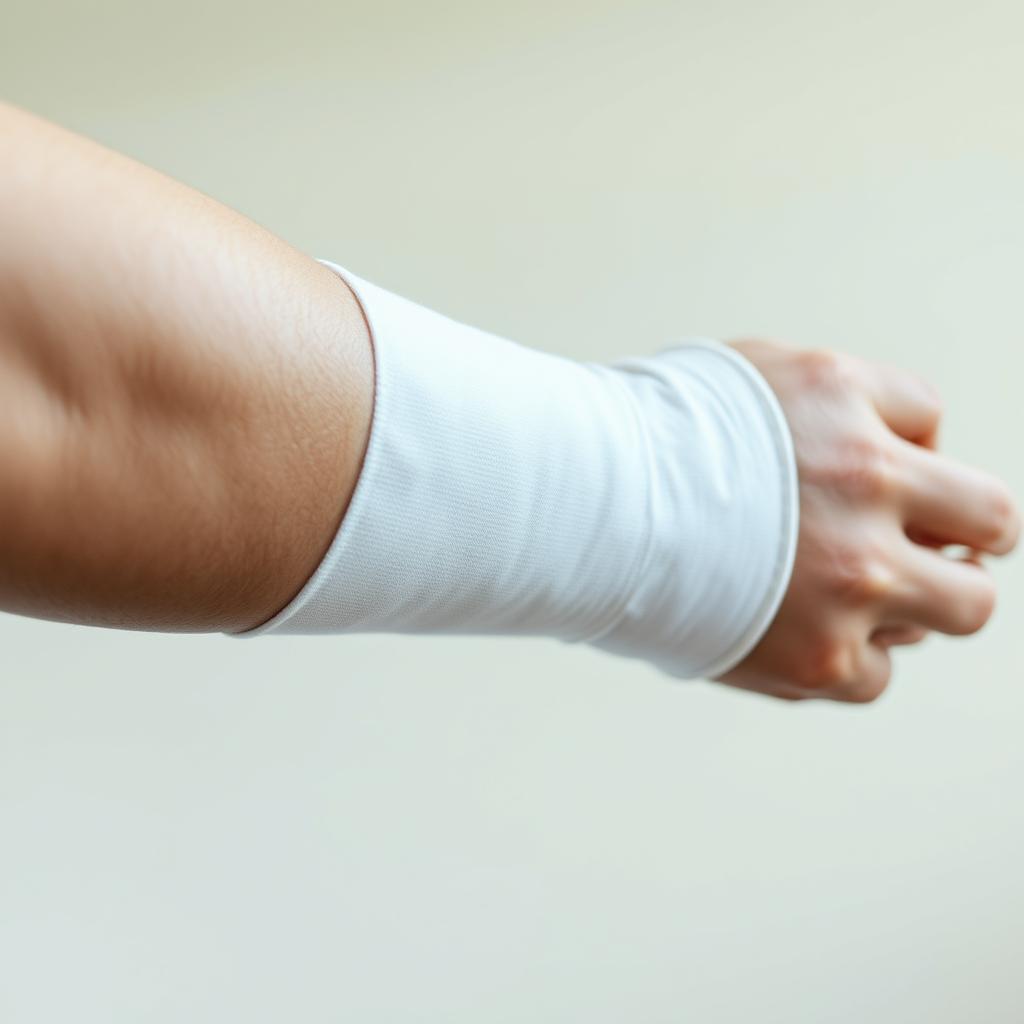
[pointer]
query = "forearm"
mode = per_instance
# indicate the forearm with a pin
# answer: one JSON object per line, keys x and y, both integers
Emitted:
{"x": 647, "y": 506}
{"x": 184, "y": 399}
{"x": 185, "y": 404}
{"x": 194, "y": 397}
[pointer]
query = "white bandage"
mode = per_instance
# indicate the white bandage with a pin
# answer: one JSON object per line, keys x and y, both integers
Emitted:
{"x": 648, "y": 507}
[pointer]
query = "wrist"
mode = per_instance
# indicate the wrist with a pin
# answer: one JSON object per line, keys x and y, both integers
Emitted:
{"x": 723, "y": 514}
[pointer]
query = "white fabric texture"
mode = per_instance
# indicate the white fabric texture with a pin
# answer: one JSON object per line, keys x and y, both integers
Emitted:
{"x": 648, "y": 507}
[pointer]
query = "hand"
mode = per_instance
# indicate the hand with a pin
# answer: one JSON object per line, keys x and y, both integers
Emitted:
{"x": 877, "y": 505}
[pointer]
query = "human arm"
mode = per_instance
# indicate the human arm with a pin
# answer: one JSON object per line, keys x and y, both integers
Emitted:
{"x": 186, "y": 402}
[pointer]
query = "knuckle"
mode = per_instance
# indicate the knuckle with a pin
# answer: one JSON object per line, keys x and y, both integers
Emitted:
{"x": 858, "y": 578}
{"x": 865, "y": 470}
{"x": 824, "y": 368}
{"x": 868, "y": 690}
{"x": 869, "y": 680}
{"x": 827, "y": 666}
{"x": 875, "y": 583}
{"x": 860, "y": 468}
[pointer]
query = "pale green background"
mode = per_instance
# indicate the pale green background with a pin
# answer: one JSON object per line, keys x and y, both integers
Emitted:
{"x": 383, "y": 830}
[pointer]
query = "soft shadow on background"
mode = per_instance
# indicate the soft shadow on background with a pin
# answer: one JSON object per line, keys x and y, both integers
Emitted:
{"x": 440, "y": 830}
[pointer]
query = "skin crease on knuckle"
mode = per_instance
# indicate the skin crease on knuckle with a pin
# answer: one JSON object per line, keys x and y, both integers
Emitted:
{"x": 860, "y": 580}
{"x": 864, "y": 469}
{"x": 817, "y": 366}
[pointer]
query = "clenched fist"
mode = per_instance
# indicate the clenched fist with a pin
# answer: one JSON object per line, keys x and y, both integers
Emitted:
{"x": 879, "y": 507}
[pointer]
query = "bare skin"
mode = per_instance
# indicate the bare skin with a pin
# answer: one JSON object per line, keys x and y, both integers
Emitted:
{"x": 878, "y": 504}
{"x": 185, "y": 402}
{"x": 184, "y": 398}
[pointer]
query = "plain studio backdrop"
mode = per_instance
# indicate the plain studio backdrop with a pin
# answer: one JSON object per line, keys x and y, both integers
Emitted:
{"x": 383, "y": 829}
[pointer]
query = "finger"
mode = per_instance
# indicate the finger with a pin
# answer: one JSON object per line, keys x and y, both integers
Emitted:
{"x": 908, "y": 404}
{"x": 932, "y": 590}
{"x": 898, "y": 635}
{"x": 950, "y": 503}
